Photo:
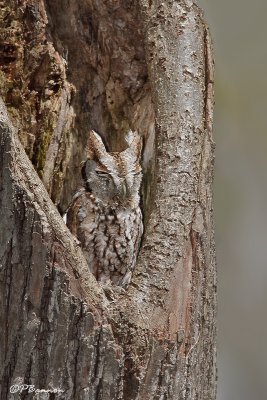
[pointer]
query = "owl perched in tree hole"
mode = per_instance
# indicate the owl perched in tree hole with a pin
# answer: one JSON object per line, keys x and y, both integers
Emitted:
{"x": 105, "y": 216}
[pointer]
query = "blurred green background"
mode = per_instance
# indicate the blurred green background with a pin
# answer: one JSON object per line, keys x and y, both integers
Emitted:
{"x": 239, "y": 31}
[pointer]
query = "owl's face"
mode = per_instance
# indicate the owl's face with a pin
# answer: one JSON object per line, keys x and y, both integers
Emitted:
{"x": 114, "y": 178}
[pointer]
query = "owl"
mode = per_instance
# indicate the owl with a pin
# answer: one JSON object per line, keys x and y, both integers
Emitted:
{"x": 105, "y": 215}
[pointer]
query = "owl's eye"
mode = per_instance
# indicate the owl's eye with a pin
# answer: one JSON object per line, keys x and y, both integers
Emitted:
{"x": 136, "y": 173}
{"x": 102, "y": 174}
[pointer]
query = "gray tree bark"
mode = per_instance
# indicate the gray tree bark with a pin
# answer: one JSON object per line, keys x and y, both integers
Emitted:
{"x": 146, "y": 66}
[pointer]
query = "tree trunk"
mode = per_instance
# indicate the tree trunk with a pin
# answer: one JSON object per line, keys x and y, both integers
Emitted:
{"x": 66, "y": 66}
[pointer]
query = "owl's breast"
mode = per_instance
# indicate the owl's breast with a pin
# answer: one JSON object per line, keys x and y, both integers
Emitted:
{"x": 109, "y": 237}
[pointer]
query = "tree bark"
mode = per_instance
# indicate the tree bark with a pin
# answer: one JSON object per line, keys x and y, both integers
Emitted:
{"x": 146, "y": 66}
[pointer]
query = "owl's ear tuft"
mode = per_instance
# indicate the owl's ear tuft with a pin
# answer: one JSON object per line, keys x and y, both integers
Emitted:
{"x": 95, "y": 147}
{"x": 135, "y": 142}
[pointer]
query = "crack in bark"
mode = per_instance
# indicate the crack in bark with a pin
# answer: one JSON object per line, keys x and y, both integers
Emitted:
{"x": 96, "y": 382}
{"x": 77, "y": 352}
{"x": 8, "y": 280}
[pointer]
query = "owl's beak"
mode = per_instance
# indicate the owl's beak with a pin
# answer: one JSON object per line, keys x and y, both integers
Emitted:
{"x": 124, "y": 189}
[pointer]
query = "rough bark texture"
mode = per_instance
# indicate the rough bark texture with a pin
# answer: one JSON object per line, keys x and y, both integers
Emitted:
{"x": 144, "y": 65}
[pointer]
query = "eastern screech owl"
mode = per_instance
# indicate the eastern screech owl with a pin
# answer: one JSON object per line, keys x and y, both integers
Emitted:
{"x": 105, "y": 216}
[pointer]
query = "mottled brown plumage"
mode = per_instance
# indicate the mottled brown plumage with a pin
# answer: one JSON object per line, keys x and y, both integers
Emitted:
{"x": 105, "y": 216}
